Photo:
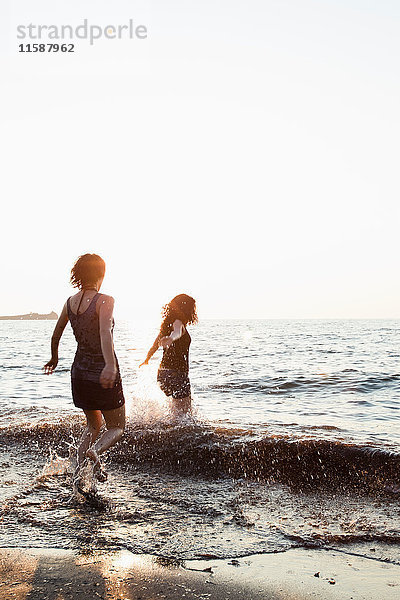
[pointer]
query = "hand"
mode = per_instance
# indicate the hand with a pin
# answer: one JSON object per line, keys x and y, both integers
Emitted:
{"x": 165, "y": 342}
{"x": 50, "y": 366}
{"x": 145, "y": 362}
{"x": 108, "y": 376}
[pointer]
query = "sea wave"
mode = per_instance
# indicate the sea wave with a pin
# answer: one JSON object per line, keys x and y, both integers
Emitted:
{"x": 202, "y": 450}
{"x": 348, "y": 380}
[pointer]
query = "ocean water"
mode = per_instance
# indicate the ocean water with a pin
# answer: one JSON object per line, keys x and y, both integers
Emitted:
{"x": 293, "y": 441}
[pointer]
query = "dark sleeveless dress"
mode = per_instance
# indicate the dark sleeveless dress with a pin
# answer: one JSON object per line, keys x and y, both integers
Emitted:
{"x": 173, "y": 374}
{"x": 87, "y": 392}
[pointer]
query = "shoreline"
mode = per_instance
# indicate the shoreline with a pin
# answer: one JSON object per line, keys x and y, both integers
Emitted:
{"x": 296, "y": 574}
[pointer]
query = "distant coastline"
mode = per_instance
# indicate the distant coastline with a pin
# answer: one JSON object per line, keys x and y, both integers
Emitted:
{"x": 31, "y": 317}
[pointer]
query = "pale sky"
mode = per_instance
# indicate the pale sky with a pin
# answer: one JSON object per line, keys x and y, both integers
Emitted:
{"x": 246, "y": 153}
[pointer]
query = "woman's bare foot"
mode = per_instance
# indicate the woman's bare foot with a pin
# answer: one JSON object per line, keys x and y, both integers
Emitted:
{"x": 92, "y": 455}
{"x": 77, "y": 480}
{"x": 100, "y": 474}
{"x": 98, "y": 470}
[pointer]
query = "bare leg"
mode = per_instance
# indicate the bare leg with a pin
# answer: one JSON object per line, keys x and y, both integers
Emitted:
{"x": 94, "y": 421}
{"x": 115, "y": 424}
{"x": 181, "y": 406}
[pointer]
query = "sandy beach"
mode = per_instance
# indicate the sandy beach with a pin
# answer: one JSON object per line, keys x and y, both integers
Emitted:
{"x": 55, "y": 574}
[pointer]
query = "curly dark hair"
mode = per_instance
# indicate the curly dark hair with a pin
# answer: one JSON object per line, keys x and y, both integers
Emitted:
{"x": 182, "y": 307}
{"x": 87, "y": 270}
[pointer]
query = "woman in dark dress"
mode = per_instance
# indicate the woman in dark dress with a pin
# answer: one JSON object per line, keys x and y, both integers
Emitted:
{"x": 95, "y": 377}
{"x": 173, "y": 373}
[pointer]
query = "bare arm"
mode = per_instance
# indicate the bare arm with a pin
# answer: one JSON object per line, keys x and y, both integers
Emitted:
{"x": 109, "y": 372}
{"x": 152, "y": 351}
{"x": 55, "y": 341}
{"x": 176, "y": 333}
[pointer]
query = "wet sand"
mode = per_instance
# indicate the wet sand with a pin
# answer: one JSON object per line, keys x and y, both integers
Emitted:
{"x": 30, "y": 574}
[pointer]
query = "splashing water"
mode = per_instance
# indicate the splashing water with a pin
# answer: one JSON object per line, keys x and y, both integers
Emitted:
{"x": 294, "y": 446}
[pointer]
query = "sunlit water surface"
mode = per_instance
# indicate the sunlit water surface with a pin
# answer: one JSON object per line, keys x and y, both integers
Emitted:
{"x": 280, "y": 408}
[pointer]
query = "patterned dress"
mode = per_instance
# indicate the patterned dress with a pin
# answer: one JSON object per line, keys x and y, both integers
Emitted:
{"x": 87, "y": 393}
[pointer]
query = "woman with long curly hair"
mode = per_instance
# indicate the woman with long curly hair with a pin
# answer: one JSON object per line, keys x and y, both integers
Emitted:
{"x": 174, "y": 338}
{"x": 95, "y": 377}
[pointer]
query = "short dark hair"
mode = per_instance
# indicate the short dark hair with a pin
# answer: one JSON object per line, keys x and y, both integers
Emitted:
{"x": 87, "y": 270}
